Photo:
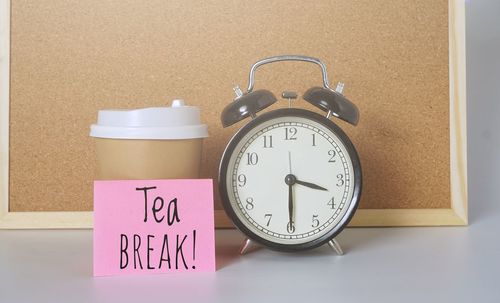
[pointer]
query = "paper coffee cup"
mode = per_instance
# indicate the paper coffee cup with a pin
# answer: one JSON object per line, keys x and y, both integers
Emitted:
{"x": 149, "y": 143}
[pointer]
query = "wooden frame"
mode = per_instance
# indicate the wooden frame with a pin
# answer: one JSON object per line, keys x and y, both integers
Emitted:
{"x": 456, "y": 215}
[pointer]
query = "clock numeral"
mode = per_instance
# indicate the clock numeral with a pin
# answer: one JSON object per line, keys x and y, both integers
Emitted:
{"x": 268, "y": 141}
{"x": 332, "y": 155}
{"x": 290, "y": 133}
{"x": 249, "y": 205}
{"x": 242, "y": 180}
{"x": 290, "y": 227}
{"x": 252, "y": 158}
{"x": 331, "y": 203}
{"x": 315, "y": 221}
{"x": 340, "y": 180}
{"x": 314, "y": 139}
{"x": 268, "y": 217}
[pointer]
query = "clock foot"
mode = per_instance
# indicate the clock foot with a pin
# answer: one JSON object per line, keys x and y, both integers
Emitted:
{"x": 247, "y": 245}
{"x": 336, "y": 247}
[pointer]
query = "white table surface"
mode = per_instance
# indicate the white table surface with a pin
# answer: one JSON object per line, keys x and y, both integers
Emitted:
{"x": 459, "y": 264}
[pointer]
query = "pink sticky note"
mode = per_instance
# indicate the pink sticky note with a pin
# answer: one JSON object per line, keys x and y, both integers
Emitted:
{"x": 153, "y": 226}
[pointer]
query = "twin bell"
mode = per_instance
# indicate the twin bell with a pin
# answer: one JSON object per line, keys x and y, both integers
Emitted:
{"x": 249, "y": 103}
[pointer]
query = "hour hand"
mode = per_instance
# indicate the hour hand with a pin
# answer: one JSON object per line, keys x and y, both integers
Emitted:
{"x": 310, "y": 185}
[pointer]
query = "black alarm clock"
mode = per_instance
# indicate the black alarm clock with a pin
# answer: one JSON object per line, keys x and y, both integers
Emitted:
{"x": 290, "y": 179}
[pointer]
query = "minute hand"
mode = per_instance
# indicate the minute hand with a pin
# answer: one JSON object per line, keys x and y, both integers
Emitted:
{"x": 310, "y": 185}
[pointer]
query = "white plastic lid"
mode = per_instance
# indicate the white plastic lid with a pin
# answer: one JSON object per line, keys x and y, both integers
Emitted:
{"x": 162, "y": 123}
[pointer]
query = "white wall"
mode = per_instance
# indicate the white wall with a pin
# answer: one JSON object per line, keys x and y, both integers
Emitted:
{"x": 483, "y": 107}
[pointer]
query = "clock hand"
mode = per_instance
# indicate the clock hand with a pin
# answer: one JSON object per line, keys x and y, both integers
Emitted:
{"x": 289, "y": 162}
{"x": 290, "y": 205}
{"x": 290, "y": 181}
{"x": 310, "y": 185}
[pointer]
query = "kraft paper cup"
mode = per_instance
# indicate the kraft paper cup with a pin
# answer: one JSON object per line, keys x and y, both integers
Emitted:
{"x": 149, "y": 143}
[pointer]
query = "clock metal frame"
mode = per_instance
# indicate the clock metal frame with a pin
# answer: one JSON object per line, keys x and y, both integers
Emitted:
{"x": 291, "y": 112}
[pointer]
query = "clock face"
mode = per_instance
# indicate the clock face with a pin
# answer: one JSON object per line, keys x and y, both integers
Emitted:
{"x": 290, "y": 178}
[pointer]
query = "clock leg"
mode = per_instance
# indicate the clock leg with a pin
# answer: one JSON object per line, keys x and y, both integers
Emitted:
{"x": 336, "y": 247}
{"x": 247, "y": 244}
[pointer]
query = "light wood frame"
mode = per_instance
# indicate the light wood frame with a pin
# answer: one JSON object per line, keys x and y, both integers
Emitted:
{"x": 456, "y": 215}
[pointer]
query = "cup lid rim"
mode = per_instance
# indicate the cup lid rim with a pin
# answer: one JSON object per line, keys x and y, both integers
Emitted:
{"x": 179, "y": 121}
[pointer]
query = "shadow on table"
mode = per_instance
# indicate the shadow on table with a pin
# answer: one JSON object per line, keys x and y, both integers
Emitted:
{"x": 351, "y": 240}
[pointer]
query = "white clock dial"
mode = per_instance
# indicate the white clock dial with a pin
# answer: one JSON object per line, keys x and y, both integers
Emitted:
{"x": 311, "y": 153}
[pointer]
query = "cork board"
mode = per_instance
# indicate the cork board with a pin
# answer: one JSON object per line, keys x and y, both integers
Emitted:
{"x": 71, "y": 58}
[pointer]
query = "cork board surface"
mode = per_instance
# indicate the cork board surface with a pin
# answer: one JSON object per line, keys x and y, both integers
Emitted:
{"x": 71, "y": 58}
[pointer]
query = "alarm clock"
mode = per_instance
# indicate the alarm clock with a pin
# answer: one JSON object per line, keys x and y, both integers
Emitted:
{"x": 290, "y": 179}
